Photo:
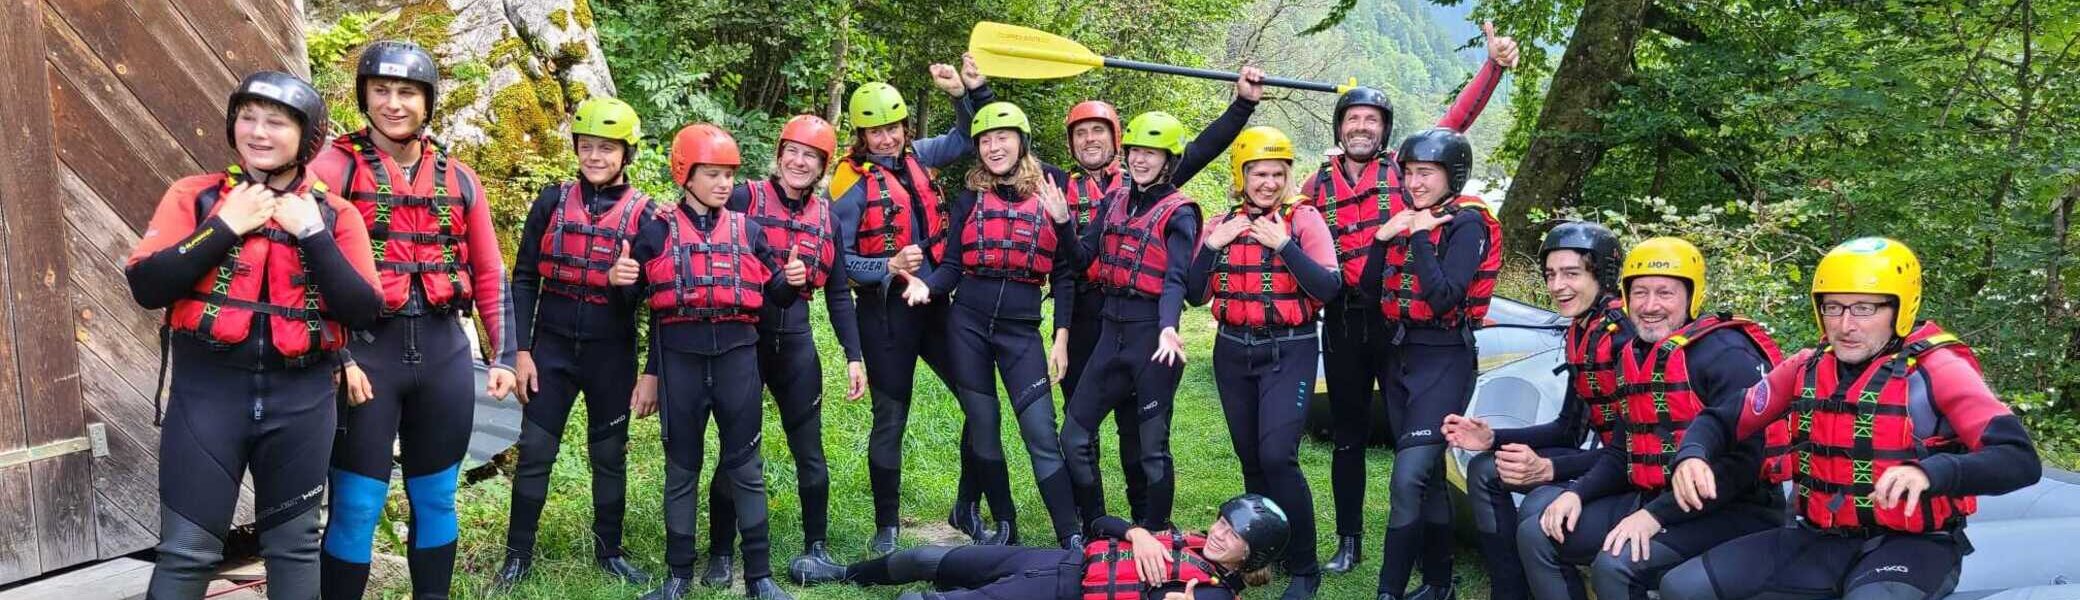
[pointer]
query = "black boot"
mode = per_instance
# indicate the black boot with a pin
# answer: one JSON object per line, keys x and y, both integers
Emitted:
{"x": 1347, "y": 555}
{"x": 1434, "y": 592}
{"x": 819, "y": 550}
{"x": 884, "y": 541}
{"x": 815, "y": 566}
{"x": 718, "y": 572}
{"x": 1387, "y": 596}
{"x": 967, "y": 518}
{"x": 623, "y": 570}
{"x": 765, "y": 589}
{"x": 674, "y": 588}
{"x": 510, "y": 574}
{"x": 1006, "y": 534}
{"x": 1303, "y": 587}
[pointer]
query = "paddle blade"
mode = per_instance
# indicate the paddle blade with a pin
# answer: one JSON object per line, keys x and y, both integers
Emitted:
{"x": 1015, "y": 52}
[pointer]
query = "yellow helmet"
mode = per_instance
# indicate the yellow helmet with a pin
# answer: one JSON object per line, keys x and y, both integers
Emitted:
{"x": 1872, "y": 265}
{"x": 1258, "y": 143}
{"x": 876, "y": 104}
{"x": 1667, "y": 257}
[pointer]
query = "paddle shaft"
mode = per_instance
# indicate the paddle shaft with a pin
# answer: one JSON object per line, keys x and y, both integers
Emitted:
{"x": 1217, "y": 75}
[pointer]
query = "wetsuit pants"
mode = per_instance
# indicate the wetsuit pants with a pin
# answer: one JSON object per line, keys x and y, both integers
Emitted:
{"x": 1083, "y": 340}
{"x": 1495, "y": 518}
{"x": 893, "y": 336}
{"x": 1427, "y": 382}
{"x": 1800, "y": 563}
{"x": 220, "y": 423}
{"x": 1121, "y": 371}
{"x": 795, "y": 377}
{"x": 1354, "y": 349}
{"x": 979, "y": 572}
{"x": 605, "y": 372}
{"x": 1620, "y": 578}
{"x": 692, "y": 388}
{"x": 425, "y": 398}
{"x": 1265, "y": 382}
{"x": 984, "y": 348}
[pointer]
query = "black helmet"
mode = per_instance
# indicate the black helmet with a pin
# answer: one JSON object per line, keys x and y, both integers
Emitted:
{"x": 1261, "y": 524}
{"x": 1363, "y": 96}
{"x": 394, "y": 59}
{"x": 292, "y": 93}
{"x": 1593, "y": 239}
{"x": 1445, "y": 147}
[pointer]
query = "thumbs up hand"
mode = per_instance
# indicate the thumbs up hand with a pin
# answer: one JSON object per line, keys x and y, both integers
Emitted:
{"x": 1501, "y": 49}
{"x": 796, "y": 272}
{"x": 625, "y": 268}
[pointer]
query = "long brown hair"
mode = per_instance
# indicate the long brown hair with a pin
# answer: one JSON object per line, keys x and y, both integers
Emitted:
{"x": 1025, "y": 176}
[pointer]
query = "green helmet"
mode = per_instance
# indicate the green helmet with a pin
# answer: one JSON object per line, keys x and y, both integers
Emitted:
{"x": 1000, "y": 115}
{"x": 876, "y": 104}
{"x": 608, "y": 118}
{"x": 1156, "y": 130}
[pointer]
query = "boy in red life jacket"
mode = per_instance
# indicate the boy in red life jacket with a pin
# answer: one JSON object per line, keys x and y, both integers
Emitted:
{"x": 1620, "y": 518}
{"x": 576, "y": 329}
{"x": 707, "y": 276}
{"x": 261, "y": 271}
{"x": 1895, "y": 433}
{"x": 792, "y": 213}
{"x": 1581, "y": 262}
{"x": 1267, "y": 266}
{"x": 1124, "y": 562}
{"x": 411, "y": 384}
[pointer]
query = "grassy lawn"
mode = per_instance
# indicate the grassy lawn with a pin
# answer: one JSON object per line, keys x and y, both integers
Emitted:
{"x": 1207, "y": 473}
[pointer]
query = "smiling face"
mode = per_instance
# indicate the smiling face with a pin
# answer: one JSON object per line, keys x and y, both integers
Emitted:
{"x": 886, "y": 140}
{"x": 1264, "y": 182}
{"x": 1224, "y": 546}
{"x": 710, "y": 184}
{"x": 265, "y": 136}
{"x": 1092, "y": 142}
{"x": 1571, "y": 282}
{"x": 600, "y": 159}
{"x": 800, "y": 166}
{"x": 396, "y": 107}
{"x": 1427, "y": 182}
{"x": 1361, "y": 129}
{"x": 999, "y": 150}
{"x": 1657, "y": 305}
{"x": 1145, "y": 165}
{"x": 1857, "y": 339}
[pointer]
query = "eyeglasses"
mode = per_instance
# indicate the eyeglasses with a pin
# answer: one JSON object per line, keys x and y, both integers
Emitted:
{"x": 1859, "y": 309}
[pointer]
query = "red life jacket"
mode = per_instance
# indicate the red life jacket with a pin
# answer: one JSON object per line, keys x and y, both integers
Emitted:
{"x": 1085, "y": 192}
{"x": 220, "y": 310}
{"x": 1592, "y": 361}
{"x": 1844, "y": 445}
{"x": 1132, "y": 252}
{"x": 578, "y": 250}
{"x": 1252, "y": 286}
{"x": 884, "y": 224}
{"x": 418, "y": 232}
{"x": 786, "y": 229}
{"x": 706, "y": 277}
{"x": 1110, "y": 573}
{"x": 1659, "y": 403}
{"x": 1008, "y": 240}
{"x": 1355, "y": 212}
{"x": 1403, "y": 298}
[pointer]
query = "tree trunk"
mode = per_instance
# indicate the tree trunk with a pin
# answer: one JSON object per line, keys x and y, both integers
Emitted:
{"x": 1565, "y": 145}
{"x": 840, "y": 44}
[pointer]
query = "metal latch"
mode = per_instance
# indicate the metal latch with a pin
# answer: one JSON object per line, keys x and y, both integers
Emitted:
{"x": 55, "y": 449}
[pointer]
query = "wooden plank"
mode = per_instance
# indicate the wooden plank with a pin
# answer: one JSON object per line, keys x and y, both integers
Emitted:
{"x": 20, "y": 558}
{"x": 119, "y": 578}
{"x": 244, "y": 40}
{"x": 112, "y": 325}
{"x": 182, "y": 83}
{"x": 106, "y": 134}
{"x": 64, "y": 500}
{"x": 118, "y": 532}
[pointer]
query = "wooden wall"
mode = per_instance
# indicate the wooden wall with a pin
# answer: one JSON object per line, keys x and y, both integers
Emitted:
{"x": 131, "y": 98}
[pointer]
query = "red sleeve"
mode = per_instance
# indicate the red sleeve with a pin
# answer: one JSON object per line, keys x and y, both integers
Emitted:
{"x": 1768, "y": 400}
{"x": 174, "y": 219}
{"x": 1473, "y": 99}
{"x": 488, "y": 272}
{"x": 351, "y": 234}
{"x": 1962, "y": 397}
{"x": 1313, "y": 234}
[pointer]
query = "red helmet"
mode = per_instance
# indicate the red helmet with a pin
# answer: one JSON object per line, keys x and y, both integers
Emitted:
{"x": 1094, "y": 109}
{"x": 811, "y": 131}
{"x": 702, "y": 144}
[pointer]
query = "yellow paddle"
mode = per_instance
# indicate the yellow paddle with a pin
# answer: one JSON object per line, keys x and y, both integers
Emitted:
{"x": 1015, "y": 52}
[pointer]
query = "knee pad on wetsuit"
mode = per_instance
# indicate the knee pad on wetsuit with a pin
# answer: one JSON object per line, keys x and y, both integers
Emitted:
{"x": 357, "y": 503}
{"x": 1689, "y": 581}
{"x": 432, "y": 497}
{"x": 1531, "y": 537}
{"x": 1411, "y": 481}
{"x": 1483, "y": 490}
{"x": 917, "y": 564}
{"x": 1888, "y": 590}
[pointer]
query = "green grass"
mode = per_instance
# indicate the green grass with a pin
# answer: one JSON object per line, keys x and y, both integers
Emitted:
{"x": 1207, "y": 473}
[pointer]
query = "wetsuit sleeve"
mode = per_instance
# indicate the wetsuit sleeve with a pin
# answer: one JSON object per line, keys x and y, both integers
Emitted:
{"x": 174, "y": 251}
{"x": 1564, "y": 431}
{"x": 1444, "y": 280}
{"x": 739, "y": 199}
{"x": 1311, "y": 256}
{"x": 344, "y": 268}
{"x": 1473, "y": 99}
{"x": 948, "y": 272}
{"x": 1061, "y": 284}
{"x": 488, "y": 274}
{"x": 1182, "y": 237}
{"x": 656, "y": 351}
{"x": 1570, "y": 465}
{"x": 649, "y": 244}
{"x": 943, "y": 149}
{"x": 1606, "y": 476}
{"x": 861, "y": 270}
{"x": 2000, "y": 457}
{"x": 777, "y": 291}
{"x": 1717, "y": 426}
{"x": 1198, "y": 280}
{"x": 527, "y": 275}
{"x": 1723, "y": 365}
{"x": 1213, "y": 140}
{"x": 843, "y": 313}
{"x": 1090, "y": 239}
{"x": 1202, "y": 592}
{"x": 1373, "y": 275}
